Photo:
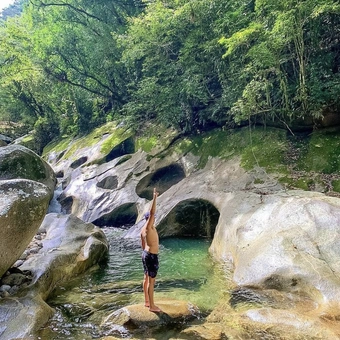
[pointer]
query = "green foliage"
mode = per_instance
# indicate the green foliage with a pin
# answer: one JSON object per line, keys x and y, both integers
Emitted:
{"x": 191, "y": 65}
{"x": 45, "y": 130}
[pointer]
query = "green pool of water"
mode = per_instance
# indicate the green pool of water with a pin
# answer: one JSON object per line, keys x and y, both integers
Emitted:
{"x": 187, "y": 272}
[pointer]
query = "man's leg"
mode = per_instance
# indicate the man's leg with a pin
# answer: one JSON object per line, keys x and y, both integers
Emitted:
{"x": 145, "y": 290}
{"x": 151, "y": 286}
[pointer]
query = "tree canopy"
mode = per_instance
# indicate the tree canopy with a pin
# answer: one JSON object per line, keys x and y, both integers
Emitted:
{"x": 67, "y": 66}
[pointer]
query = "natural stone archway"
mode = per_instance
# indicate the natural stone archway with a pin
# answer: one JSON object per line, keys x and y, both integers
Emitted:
{"x": 195, "y": 217}
{"x": 80, "y": 161}
{"x": 162, "y": 179}
{"x": 125, "y": 215}
{"x": 109, "y": 182}
{"x": 124, "y": 148}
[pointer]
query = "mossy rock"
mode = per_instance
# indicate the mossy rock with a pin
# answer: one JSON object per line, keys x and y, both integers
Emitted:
{"x": 17, "y": 161}
{"x": 108, "y": 136}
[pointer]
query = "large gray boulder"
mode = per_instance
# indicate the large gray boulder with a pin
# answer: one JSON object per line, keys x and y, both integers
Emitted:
{"x": 23, "y": 205}
{"x": 69, "y": 248}
{"x": 287, "y": 241}
{"x": 17, "y": 161}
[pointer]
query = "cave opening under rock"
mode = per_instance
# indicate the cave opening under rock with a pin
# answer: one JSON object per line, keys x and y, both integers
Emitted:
{"x": 190, "y": 218}
{"x": 162, "y": 179}
{"x": 122, "y": 217}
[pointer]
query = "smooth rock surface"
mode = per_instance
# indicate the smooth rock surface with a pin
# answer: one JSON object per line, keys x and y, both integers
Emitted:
{"x": 23, "y": 205}
{"x": 173, "y": 311}
{"x": 69, "y": 248}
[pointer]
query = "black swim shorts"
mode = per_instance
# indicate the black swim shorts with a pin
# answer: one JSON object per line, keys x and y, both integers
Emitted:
{"x": 150, "y": 263}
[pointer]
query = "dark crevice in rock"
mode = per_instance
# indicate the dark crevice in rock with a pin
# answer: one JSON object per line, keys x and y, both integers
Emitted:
{"x": 60, "y": 155}
{"x": 109, "y": 182}
{"x": 194, "y": 218}
{"x": 124, "y": 148}
{"x": 60, "y": 174}
{"x": 80, "y": 161}
{"x": 162, "y": 179}
{"x": 66, "y": 203}
{"x": 123, "y": 216}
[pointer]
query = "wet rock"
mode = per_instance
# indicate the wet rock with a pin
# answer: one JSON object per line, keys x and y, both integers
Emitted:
{"x": 70, "y": 247}
{"x": 207, "y": 331}
{"x": 15, "y": 279}
{"x": 24, "y": 255}
{"x": 34, "y": 250}
{"x": 135, "y": 316}
{"x": 5, "y": 288}
{"x": 18, "y": 263}
{"x": 289, "y": 322}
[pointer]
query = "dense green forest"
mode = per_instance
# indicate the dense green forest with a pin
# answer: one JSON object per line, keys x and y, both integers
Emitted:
{"x": 67, "y": 66}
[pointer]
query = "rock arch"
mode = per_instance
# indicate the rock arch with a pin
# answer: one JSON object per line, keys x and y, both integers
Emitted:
{"x": 193, "y": 217}
{"x": 125, "y": 215}
{"x": 163, "y": 178}
{"x": 124, "y": 148}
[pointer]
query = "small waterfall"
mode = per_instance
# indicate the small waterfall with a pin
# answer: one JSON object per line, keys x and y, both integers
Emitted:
{"x": 55, "y": 206}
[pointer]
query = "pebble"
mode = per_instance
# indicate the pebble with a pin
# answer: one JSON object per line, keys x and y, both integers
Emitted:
{"x": 18, "y": 263}
{"x": 5, "y": 288}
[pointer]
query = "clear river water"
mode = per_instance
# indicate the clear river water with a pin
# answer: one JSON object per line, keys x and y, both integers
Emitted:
{"x": 187, "y": 272}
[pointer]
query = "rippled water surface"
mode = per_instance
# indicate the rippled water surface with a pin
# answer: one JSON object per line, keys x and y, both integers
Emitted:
{"x": 186, "y": 272}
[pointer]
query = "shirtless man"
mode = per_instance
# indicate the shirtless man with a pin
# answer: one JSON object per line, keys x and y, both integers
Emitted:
{"x": 150, "y": 246}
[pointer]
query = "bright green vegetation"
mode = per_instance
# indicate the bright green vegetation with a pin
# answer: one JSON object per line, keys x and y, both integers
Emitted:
{"x": 189, "y": 65}
{"x": 116, "y": 136}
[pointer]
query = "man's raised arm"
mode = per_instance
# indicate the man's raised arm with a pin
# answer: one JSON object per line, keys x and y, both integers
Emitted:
{"x": 151, "y": 219}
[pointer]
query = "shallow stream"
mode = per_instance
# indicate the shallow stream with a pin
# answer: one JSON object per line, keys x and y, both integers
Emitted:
{"x": 187, "y": 272}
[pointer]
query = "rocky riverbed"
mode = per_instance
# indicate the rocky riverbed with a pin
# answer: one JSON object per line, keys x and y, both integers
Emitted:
{"x": 15, "y": 279}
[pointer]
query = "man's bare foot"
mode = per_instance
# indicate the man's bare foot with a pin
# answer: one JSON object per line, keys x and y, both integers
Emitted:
{"x": 147, "y": 304}
{"x": 155, "y": 309}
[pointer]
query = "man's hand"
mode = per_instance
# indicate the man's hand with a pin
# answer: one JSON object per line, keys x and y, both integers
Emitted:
{"x": 155, "y": 193}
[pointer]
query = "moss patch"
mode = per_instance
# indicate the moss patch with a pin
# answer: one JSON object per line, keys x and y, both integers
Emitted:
{"x": 73, "y": 145}
{"x": 21, "y": 164}
{"x": 256, "y": 147}
{"x": 154, "y": 137}
{"x": 58, "y": 145}
{"x": 116, "y": 137}
{"x": 322, "y": 154}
